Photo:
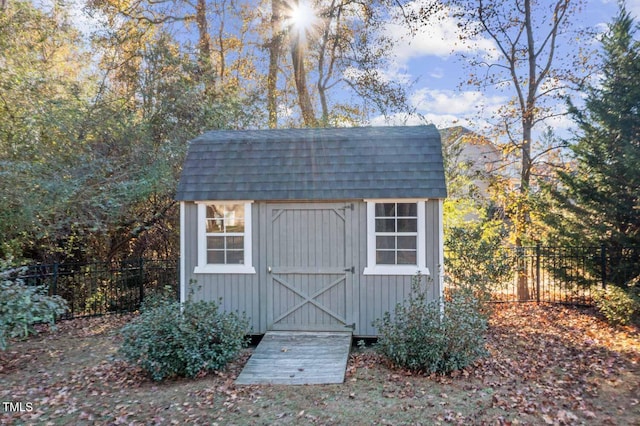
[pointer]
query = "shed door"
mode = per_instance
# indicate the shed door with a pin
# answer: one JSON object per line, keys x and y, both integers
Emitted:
{"x": 309, "y": 278}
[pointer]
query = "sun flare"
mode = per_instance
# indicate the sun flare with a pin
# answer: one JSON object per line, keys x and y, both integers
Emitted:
{"x": 301, "y": 17}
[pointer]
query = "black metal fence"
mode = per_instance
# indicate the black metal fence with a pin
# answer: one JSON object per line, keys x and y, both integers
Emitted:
{"x": 541, "y": 274}
{"x": 560, "y": 274}
{"x": 93, "y": 289}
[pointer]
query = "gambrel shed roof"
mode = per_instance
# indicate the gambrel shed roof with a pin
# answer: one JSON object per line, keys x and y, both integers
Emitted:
{"x": 314, "y": 164}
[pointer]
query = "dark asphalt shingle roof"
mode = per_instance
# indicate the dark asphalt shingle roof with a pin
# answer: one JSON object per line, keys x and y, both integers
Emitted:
{"x": 314, "y": 164}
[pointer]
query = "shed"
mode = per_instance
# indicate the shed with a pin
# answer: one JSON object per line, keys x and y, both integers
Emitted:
{"x": 312, "y": 229}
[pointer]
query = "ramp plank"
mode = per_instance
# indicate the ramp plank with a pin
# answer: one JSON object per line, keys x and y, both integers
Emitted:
{"x": 298, "y": 358}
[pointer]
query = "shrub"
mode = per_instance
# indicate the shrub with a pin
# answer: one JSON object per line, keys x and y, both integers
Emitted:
{"x": 22, "y": 306}
{"x": 171, "y": 339}
{"x": 423, "y": 336}
{"x": 617, "y": 305}
{"x": 476, "y": 261}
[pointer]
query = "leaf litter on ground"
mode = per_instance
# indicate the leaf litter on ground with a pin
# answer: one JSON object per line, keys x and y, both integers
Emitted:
{"x": 547, "y": 364}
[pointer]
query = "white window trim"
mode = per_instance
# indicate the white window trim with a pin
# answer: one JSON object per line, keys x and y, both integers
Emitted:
{"x": 183, "y": 246}
{"x": 421, "y": 249}
{"x": 206, "y": 268}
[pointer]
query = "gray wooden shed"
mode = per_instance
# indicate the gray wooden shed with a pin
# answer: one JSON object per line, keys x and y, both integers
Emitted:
{"x": 312, "y": 229}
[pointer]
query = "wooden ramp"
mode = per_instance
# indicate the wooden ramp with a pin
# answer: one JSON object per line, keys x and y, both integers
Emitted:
{"x": 298, "y": 358}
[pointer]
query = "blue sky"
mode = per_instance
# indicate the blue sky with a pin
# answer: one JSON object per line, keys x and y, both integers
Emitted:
{"x": 432, "y": 59}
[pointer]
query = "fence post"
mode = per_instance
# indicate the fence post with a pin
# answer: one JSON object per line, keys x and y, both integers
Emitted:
{"x": 603, "y": 265}
{"x": 55, "y": 279}
{"x": 141, "y": 278}
{"x": 538, "y": 272}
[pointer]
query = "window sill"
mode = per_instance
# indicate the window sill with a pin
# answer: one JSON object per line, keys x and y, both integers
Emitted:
{"x": 224, "y": 269}
{"x": 396, "y": 270}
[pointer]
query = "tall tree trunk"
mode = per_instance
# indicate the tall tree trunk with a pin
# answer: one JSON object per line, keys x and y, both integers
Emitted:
{"x": 322, "y": 93}
{"x": 300, "y": 76}
{"x": 204, "y": 47}
{"x": 522, "y": 207}
{"x": 275, "y": 47}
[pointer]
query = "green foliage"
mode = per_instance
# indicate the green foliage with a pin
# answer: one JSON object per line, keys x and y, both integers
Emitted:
{"x": 90, "y": 151}
{"x": 22, "y": 306}
{"x": 426, "y": 336}
{"x": 616, "y": 304}
{"x": 170, "y": 339}
{"x": 475, "y": 260}
{"x": 598, "y": 200}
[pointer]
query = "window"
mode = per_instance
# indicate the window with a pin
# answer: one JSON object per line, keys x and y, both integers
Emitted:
{"x": 396, "y": 230}
{"x": 224, "y": 237}
{"x": 395, "y": 237}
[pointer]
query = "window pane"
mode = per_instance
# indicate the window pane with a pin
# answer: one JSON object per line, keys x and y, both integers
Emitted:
{"x": 385, "y": 242}
{"x": 407, "y": 243}
{"x": 235, "y": 257}
{"x": 385, "y": 257}
{"x": 407, "y": 225}
{"x": 216, "y": 257}
{"x": 234, "y": 218}
{"x": 406, "y": 257}
{"x": 385, "y": 209}
{"x": 236, "y": 243}
{"x": 214, "y": 225}
{"x": 215, "y": 212}
{"x": 385, "y": 225}
{"x": 215, "y": 243}
{"x": 235, "y": 225}
{"x": 235, "y": 211}
{"x": 407, "y": 209}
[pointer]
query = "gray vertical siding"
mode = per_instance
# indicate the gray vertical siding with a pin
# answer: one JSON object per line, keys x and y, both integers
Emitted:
{"x": 433, "y": 218}
{"x": 378, "y": 294}
{"x": 367, "y": 297}
{"x": 236, "y": 292}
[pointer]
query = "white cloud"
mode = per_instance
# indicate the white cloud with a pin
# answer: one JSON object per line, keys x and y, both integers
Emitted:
{"x": 441, "y": 121}
{"x": 398, "y": 119}
{"x": 394, "y": 73}
{"x": 439, "y": 37}
{"x": 446, "y": 108}
{"x": 458, "y": 103}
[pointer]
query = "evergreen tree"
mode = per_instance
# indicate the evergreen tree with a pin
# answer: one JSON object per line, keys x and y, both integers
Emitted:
{"x": 598, "y": 202}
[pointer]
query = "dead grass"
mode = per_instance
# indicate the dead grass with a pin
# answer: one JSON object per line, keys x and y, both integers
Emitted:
{"x": 548, "y": 365}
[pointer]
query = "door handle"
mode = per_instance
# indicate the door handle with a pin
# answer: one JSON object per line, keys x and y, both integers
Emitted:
{"x": 269, "y": 269}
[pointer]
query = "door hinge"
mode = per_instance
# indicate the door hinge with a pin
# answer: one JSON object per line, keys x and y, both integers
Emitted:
{"x": 351, "y": 326}
{"x": 349, "y": 206}
{"x": 352, "y": 270}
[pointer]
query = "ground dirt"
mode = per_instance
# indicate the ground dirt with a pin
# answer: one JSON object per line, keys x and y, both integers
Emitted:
{"x": 547, "y": 365}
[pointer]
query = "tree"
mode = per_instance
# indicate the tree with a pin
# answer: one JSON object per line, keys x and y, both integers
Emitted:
{"x": 92, "y": 136}
{"x": 336, "y": 47}
{"x": 299, "y": 46}
{"x": 274, "y": 45}
{"x": 43, "y": 92}
{"x": 599, "y": 200}
{"x": 350, "y": 50}
{"x": 90, "y": 152}
{"x": 524, "y": 64}
{"x": 167, "y": 105}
